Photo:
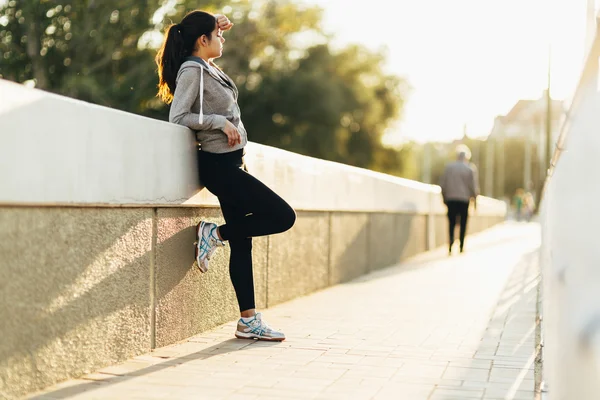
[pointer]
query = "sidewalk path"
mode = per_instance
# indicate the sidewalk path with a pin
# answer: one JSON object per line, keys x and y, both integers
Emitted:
{"x": 433, "y": 328}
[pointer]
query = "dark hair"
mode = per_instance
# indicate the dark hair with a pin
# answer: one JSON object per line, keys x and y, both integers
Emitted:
{"x": 179, "y": 43}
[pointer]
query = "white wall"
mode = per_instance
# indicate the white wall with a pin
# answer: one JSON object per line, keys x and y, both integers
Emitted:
{"x": 570, "y": 250}
{"x": 56, "y": 150}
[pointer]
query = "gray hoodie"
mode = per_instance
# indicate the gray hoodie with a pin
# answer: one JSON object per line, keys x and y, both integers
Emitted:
{"x": 460, "y": 181}
{"x": 204, "y": 99}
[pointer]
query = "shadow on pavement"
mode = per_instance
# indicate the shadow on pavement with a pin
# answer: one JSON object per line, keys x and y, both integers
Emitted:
{"x": 102, "y": 380}
{"x": 510, "y": 341}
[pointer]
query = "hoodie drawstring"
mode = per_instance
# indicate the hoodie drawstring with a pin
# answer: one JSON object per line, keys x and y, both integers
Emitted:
{"x": 201, "y": 115}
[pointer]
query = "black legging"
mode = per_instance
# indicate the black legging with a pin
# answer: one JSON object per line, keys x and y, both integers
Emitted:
{"x": 459, "y": 209}
{"x": 250, "y": 209}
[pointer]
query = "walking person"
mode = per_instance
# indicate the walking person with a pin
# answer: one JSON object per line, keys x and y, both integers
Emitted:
{"x": 459, "y": 185}
{"x": 204, "y": 99}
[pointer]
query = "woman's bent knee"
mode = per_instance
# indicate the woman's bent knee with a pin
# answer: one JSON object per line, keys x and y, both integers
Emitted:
{"x": 288, "y": 219}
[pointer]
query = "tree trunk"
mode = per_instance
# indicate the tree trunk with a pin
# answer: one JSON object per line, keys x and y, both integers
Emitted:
{"x": 33, "y": 51}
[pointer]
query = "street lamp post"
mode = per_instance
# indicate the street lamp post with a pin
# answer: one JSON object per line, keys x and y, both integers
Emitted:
{"x": 500, "y": 167}
{"x": 548, "y": 114}
{"x": 489, "y": 168}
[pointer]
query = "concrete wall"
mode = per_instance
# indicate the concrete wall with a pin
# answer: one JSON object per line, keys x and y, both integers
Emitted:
{"x": 74, "y": 287}
{"x": 97, "y": 223}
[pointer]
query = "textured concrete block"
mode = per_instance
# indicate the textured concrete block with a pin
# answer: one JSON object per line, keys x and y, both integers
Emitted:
{"x": 441, "y": 230}
{"x": 410, "y": 236}
{"x": 382, "y": 251}
{"x": 74, "y": 292}
{"x": 188, "y": 301}
{"x": 349, "y": 256}
{"x": 298, "y": 258}
{"x": 476, "y": 224}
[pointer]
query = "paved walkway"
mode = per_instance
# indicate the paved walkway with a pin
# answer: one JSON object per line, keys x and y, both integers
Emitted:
{"x": 435, "y": 327}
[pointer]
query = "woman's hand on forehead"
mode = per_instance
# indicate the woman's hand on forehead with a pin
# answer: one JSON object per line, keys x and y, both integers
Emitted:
{"x": 223, "y": 23}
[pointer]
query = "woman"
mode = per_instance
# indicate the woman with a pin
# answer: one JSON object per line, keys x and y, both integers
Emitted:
{"x": 204, "y": 99}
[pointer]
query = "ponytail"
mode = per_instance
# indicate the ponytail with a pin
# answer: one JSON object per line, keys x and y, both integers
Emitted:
{"x": 169, "y": 58}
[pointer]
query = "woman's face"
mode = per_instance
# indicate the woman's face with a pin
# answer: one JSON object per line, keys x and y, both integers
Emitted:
{"x": 215, "y": 44}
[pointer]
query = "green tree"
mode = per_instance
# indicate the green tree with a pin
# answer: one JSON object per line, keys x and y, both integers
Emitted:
{"x": 332, "y": 105}
{"x": 83, "y": 49}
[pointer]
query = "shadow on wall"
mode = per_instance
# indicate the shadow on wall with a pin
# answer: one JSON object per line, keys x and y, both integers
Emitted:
{"x": 365, "y": 242}
{"x": 187, "y": 301}
{"x": 362, "y": 242}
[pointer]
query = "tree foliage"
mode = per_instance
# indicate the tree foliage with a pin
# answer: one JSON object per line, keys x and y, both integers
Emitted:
{"x": 82, "y": 49}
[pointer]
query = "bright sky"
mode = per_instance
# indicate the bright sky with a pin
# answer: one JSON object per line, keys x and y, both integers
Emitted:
{"x": 467, "y": 60}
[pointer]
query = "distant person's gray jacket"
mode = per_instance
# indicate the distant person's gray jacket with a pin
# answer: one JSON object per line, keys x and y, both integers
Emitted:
{"x": 204, "y": 99}
{"x": 459, "y": 182}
